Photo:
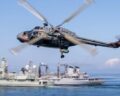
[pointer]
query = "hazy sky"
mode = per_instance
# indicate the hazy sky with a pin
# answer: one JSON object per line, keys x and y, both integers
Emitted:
{"x": 101, "y": 21}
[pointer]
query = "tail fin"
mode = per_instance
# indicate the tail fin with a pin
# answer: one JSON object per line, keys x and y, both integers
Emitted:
{"x": 118, "y": 37}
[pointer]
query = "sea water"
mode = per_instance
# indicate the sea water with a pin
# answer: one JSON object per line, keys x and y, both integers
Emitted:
{"x": 111, "y": 87}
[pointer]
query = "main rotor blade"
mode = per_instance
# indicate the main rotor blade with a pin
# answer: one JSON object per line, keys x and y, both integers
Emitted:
{"x": 75, "y": 41}
{"x": 79, "y": 10}
{"x": 19, "y": 48}
{"x": 31, "y": 9}
{"x": 24, "y": 45}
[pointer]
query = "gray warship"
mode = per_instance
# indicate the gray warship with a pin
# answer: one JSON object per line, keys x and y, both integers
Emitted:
{"x": 31, "y": 75}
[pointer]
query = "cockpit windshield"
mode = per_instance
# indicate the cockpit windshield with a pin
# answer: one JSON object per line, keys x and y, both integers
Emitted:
{"x": 38, "y": 27}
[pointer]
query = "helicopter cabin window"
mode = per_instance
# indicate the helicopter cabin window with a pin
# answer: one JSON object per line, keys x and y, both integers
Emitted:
{"x": 35, "y": 33}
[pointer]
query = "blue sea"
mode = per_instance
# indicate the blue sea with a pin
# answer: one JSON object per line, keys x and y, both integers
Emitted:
{"x": 111, "y": 87}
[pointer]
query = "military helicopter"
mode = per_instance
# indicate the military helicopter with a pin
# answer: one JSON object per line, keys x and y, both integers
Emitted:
{"x": 57, "y": 36}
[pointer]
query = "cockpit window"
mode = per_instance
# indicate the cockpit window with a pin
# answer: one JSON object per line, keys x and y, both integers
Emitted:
{"x": 38, "y": 27}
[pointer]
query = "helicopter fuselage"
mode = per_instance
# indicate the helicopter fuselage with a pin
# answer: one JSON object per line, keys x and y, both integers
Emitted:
{"x": 53, "y": 39}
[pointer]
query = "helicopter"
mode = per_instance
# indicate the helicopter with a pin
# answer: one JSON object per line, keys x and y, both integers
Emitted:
{"x": 57, "y": 36}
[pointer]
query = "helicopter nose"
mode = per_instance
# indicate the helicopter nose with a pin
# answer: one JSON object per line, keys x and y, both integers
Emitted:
{"x": 23, "y": 37}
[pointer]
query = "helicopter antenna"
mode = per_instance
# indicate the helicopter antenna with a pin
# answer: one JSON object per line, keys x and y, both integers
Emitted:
{"x": 78, "y": 11}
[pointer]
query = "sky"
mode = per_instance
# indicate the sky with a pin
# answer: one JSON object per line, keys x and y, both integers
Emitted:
{"x": 101, "y": 21}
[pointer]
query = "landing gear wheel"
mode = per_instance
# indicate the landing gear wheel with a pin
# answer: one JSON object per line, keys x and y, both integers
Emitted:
{"x": 62, "y": 56}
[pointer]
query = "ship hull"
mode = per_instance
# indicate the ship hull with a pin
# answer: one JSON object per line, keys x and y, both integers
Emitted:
{"x": 77, "y": 82}
{"x": 15, "y": 83}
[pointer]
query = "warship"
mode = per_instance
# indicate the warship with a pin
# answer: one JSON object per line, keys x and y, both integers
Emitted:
{"x": 74, "y": 77}
{"x": 31, "y": 75}
{"x": 28, "y": 76}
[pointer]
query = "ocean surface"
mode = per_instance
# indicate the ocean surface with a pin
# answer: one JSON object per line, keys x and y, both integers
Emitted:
{"x": 111, "y": 87}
